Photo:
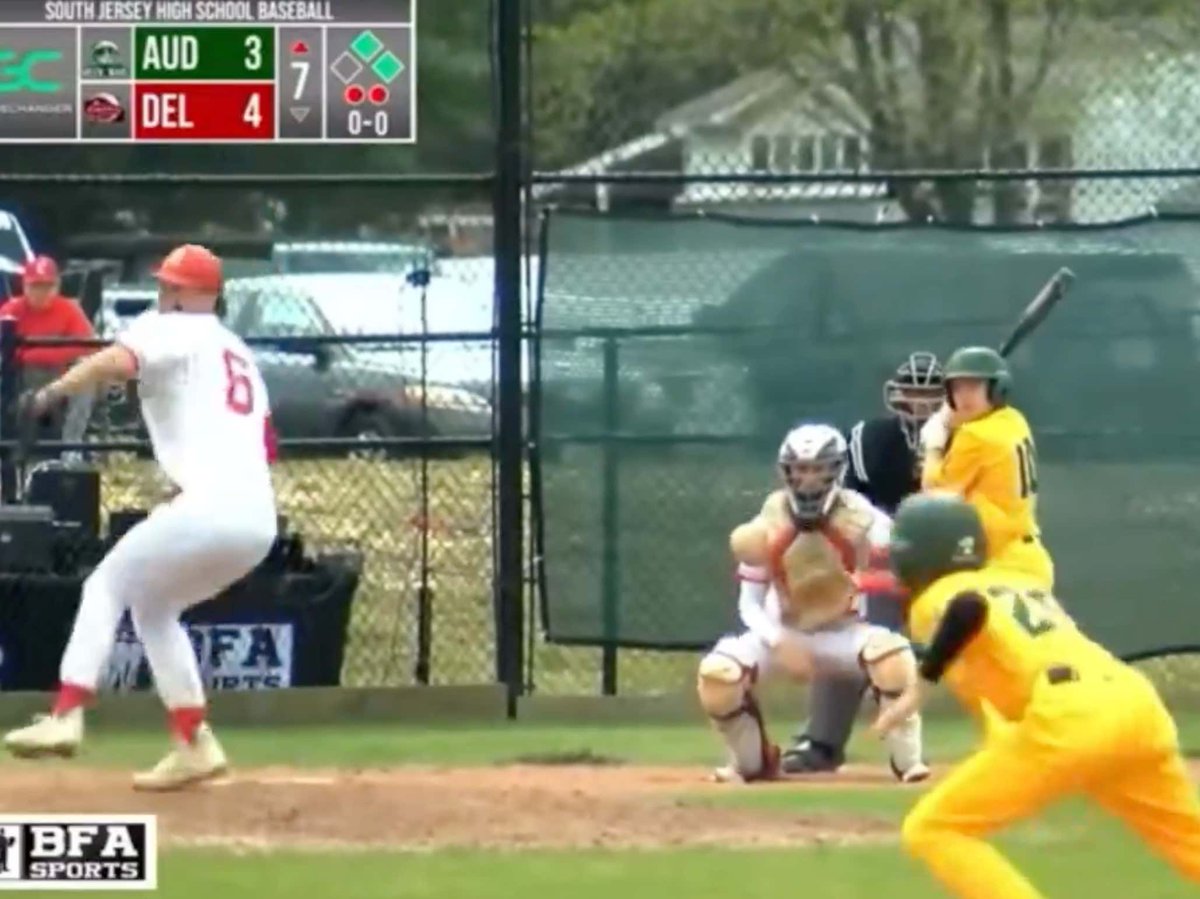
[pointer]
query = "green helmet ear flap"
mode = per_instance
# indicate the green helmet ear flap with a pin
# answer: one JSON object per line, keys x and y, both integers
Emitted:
{"x": 1001, "y": 385}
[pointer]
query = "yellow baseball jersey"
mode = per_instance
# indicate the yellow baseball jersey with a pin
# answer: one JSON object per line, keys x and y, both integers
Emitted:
{"x": 1026, "y": 632}
{"x": 992, "y": 463}
{"x": 1078, "y": 721}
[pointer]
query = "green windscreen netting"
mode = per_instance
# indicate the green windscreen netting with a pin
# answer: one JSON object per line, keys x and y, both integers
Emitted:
{"x": 675, "y": 352}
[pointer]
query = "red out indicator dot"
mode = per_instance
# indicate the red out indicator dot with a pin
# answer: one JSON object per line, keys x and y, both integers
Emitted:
{"x": 354, "y": 94}
{"x": 378, "y": 94}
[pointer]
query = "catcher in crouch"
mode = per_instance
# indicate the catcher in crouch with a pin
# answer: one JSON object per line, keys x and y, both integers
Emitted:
{"x": 799, "y": 602}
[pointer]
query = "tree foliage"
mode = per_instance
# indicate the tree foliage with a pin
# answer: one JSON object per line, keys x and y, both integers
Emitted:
{"x": 929, "y": 84}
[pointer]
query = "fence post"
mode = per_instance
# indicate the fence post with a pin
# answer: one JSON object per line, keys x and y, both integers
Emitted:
{"x": 10, "y": 387}
{"x": 610, "y": 568}
{"x": 507, "y": 221}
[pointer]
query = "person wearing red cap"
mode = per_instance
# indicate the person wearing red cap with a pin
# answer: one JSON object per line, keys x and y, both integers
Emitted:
{"x": 43, "y": 312}
{"x": 206, "y": 410}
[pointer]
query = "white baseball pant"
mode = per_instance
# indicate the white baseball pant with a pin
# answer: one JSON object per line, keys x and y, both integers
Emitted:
{"x": 835, "y": 652}
{"x": 186, "y": 551}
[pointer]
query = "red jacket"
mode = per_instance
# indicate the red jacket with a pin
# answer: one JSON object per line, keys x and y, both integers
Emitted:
{"x": 61, "y": 317}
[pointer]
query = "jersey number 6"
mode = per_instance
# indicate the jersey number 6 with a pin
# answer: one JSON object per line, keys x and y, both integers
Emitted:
{"x": 239, "y": 391}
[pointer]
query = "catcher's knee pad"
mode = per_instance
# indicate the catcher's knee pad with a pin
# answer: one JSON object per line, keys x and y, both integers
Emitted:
{"x": 722, "y": 684}
{"x": 888, "y": 659}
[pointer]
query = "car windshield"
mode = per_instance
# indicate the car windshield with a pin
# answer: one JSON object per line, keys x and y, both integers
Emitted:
{"x": 11, "y": 247}
{"x": 321, "y": 262}
{"x": 279, "y": 315}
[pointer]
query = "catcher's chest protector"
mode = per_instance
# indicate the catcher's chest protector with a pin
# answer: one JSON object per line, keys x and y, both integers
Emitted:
{"x": 812, "y": 570}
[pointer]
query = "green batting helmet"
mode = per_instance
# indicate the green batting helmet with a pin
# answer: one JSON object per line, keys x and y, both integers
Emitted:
{"x": 935, "y": 534}
{"x": 980, "y": 362}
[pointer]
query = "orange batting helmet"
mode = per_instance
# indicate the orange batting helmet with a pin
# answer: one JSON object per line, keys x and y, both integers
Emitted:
{"x": 191, "y": 266}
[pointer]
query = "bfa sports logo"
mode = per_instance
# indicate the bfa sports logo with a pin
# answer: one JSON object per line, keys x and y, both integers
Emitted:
{"x": 93, "y": 852}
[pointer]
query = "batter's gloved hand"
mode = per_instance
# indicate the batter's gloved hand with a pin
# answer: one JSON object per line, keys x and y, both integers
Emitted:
{"x": 935, "y": 433}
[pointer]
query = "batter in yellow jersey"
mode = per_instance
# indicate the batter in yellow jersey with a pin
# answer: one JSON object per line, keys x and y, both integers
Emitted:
{"x": 982, "y": 448}
{"x": 1079, "y": 721}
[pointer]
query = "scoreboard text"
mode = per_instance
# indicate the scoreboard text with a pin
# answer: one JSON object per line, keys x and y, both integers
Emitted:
{"x": 199, "y": 83}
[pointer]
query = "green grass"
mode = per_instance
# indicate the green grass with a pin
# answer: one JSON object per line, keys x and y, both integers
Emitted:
{"x": 1070, "y": 851}
{"x": 505, "y": 742}
{"x": 1100, "y": 864}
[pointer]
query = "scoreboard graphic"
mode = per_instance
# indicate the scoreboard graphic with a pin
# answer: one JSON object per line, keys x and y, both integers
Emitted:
{"x": 177, "y": 76}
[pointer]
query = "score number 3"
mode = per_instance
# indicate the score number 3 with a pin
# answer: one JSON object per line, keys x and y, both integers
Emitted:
{"x": 239, "y": 389}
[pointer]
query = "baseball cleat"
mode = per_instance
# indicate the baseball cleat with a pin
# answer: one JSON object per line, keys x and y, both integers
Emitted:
{"x": 913, "y": 775}
{"x": 808, "y": 757}
{"x": 49, "y": 735}
{"x": 728, "y": 774}
{"x": 185, "y": 765}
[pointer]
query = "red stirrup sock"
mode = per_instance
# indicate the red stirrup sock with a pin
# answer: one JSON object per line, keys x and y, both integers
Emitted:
{"x": 186, "y": 721}
{"x": 71, "y": 697}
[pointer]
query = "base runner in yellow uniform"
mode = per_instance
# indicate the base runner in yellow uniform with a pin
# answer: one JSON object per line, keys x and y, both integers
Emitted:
{"x": 1077, "y": 720}
{"x": 982, "y": 448}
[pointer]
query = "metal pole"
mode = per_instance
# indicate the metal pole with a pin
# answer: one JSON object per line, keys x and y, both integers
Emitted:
{"x": 507, "y": 236}
{"x": 10, "y": 390}
{"x": 610, "y": 568}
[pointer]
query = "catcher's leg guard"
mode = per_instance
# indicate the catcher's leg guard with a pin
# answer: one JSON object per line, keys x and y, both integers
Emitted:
{"x": 725, "y": 687}
{"x": 892, "y": 667}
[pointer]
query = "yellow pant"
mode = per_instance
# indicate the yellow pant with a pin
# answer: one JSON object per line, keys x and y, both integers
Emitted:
{"x": 1106, "y": 736}
{"x": 1029, "y": 558}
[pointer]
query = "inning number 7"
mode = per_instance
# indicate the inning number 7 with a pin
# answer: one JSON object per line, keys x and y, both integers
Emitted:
{"x": 301, "y": 66}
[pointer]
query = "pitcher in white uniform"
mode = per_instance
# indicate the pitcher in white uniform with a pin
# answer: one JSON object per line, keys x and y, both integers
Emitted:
{"x": 800, "y": 561}
{"x": 208, "y": 417}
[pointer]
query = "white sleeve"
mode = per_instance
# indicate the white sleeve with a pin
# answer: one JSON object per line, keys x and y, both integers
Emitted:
{"x": 879, "y": 535}
{"x": 856, "y": 453}
{"x": 752, "y": 604}
{"x": 154, "y": 342}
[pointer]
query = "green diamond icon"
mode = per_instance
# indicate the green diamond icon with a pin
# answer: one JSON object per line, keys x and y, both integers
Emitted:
{"x": 388, "y": 67}
{"x": 366, "y": 45}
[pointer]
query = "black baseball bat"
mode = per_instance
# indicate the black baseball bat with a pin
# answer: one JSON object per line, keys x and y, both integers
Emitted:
{"x": 1035, "y": 313}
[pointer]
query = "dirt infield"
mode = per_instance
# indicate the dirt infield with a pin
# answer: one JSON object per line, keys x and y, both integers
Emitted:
{"x": 420, "y": 808}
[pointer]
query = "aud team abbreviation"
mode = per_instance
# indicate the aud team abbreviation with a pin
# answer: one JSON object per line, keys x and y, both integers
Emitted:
{"x": 159, "y": 11}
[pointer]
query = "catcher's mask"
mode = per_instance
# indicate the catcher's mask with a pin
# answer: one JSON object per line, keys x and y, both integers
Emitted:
{"x": 812, "y": 462}
{"x": 915, "y": 392}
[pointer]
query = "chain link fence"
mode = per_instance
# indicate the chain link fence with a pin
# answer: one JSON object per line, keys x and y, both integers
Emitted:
{"x": 675, "y": 349}
{"x": 378, "y": 358}
{"x": 370, "y": 295}
{"x": 1006, "y": 115}
{"x": 363, "y": 278}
